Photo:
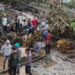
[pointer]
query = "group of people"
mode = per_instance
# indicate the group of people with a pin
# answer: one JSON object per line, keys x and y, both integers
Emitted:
{"x": 19, "y": 23}
{"x": 12, "y": 53}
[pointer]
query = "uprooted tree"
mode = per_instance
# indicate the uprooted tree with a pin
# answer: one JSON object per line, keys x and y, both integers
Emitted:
{"x": 59, "y": 23}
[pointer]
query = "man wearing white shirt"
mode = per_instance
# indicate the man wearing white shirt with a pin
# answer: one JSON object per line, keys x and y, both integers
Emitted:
{"x": 24, "y": 24}
{"x": 4, "y": 23}
{"x": 44, "y": 24}
{"x": 21, "y": 19}
{"x": 6, "y": 50}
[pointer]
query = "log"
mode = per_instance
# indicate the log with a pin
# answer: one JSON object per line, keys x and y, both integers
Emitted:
{"x": 63, "y": 21}
{"x": 54, "y": 26}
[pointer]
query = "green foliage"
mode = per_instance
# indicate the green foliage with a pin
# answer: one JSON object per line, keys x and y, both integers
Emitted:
{"x": 73, "y": 25}
{"x": 71, "y": 4}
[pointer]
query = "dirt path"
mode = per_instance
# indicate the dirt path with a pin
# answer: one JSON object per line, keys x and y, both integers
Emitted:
{"x": 1, "y": 62}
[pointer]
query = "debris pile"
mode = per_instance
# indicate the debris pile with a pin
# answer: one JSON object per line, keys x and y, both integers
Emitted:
{"x": 59, "y": 23}
{"x": 66, "y": 47}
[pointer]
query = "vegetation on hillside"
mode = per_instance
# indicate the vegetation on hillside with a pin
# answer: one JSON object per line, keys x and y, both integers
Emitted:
{"x": 70, "y": 4}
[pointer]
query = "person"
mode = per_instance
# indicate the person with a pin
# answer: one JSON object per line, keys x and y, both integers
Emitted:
{"x": 28, "y": 61}
{"x": 29, "y": 22}
{"x": 6, "y": 51}
{"x": 24, "y": 24}
{"x": 29, "y": 26}
{"x": 43, "y": 14}
{"x": 12, "y": 62}
{"x": 17, "y": 25}
{"x": 21, "y": 19}
{"x": 35, "y": 22}
{"x": 44, "y": 24}
{"x": 48, "y": 42}
{"x": 45, "y": 34}
{"x": 37, "y": 46}
{"x": 4, "y": 23}
{"x": 17, "y": 46}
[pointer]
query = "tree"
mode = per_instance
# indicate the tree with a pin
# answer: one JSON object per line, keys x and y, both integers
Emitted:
{"x": 71, "y": 4}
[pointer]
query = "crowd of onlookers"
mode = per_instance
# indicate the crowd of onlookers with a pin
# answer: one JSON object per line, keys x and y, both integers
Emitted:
{"x": 26, "y": 27}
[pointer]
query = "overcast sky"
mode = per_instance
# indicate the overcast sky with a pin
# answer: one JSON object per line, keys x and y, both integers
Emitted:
{"x": 66, "y": 0}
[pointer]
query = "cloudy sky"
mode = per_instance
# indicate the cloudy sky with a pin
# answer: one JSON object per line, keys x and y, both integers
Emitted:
{"x": 66, "y": 0}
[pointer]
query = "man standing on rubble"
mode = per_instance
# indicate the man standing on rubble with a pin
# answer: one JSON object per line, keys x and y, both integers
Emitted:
{"x": 12, "y": 62}
{"x": 35, "y": 22}
{"x": 18, "y": 50}
{"x": 28, "y": 61}
{"x": 4, "y": 22}
{"x": 21, "y": 19}
{"x": 48, "y": 42}
{"x": 6, "y": 51}
{"x": 17, "y": 25}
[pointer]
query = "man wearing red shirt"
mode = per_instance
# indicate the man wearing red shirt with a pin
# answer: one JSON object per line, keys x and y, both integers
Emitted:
{"x": 35, "y": 22}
